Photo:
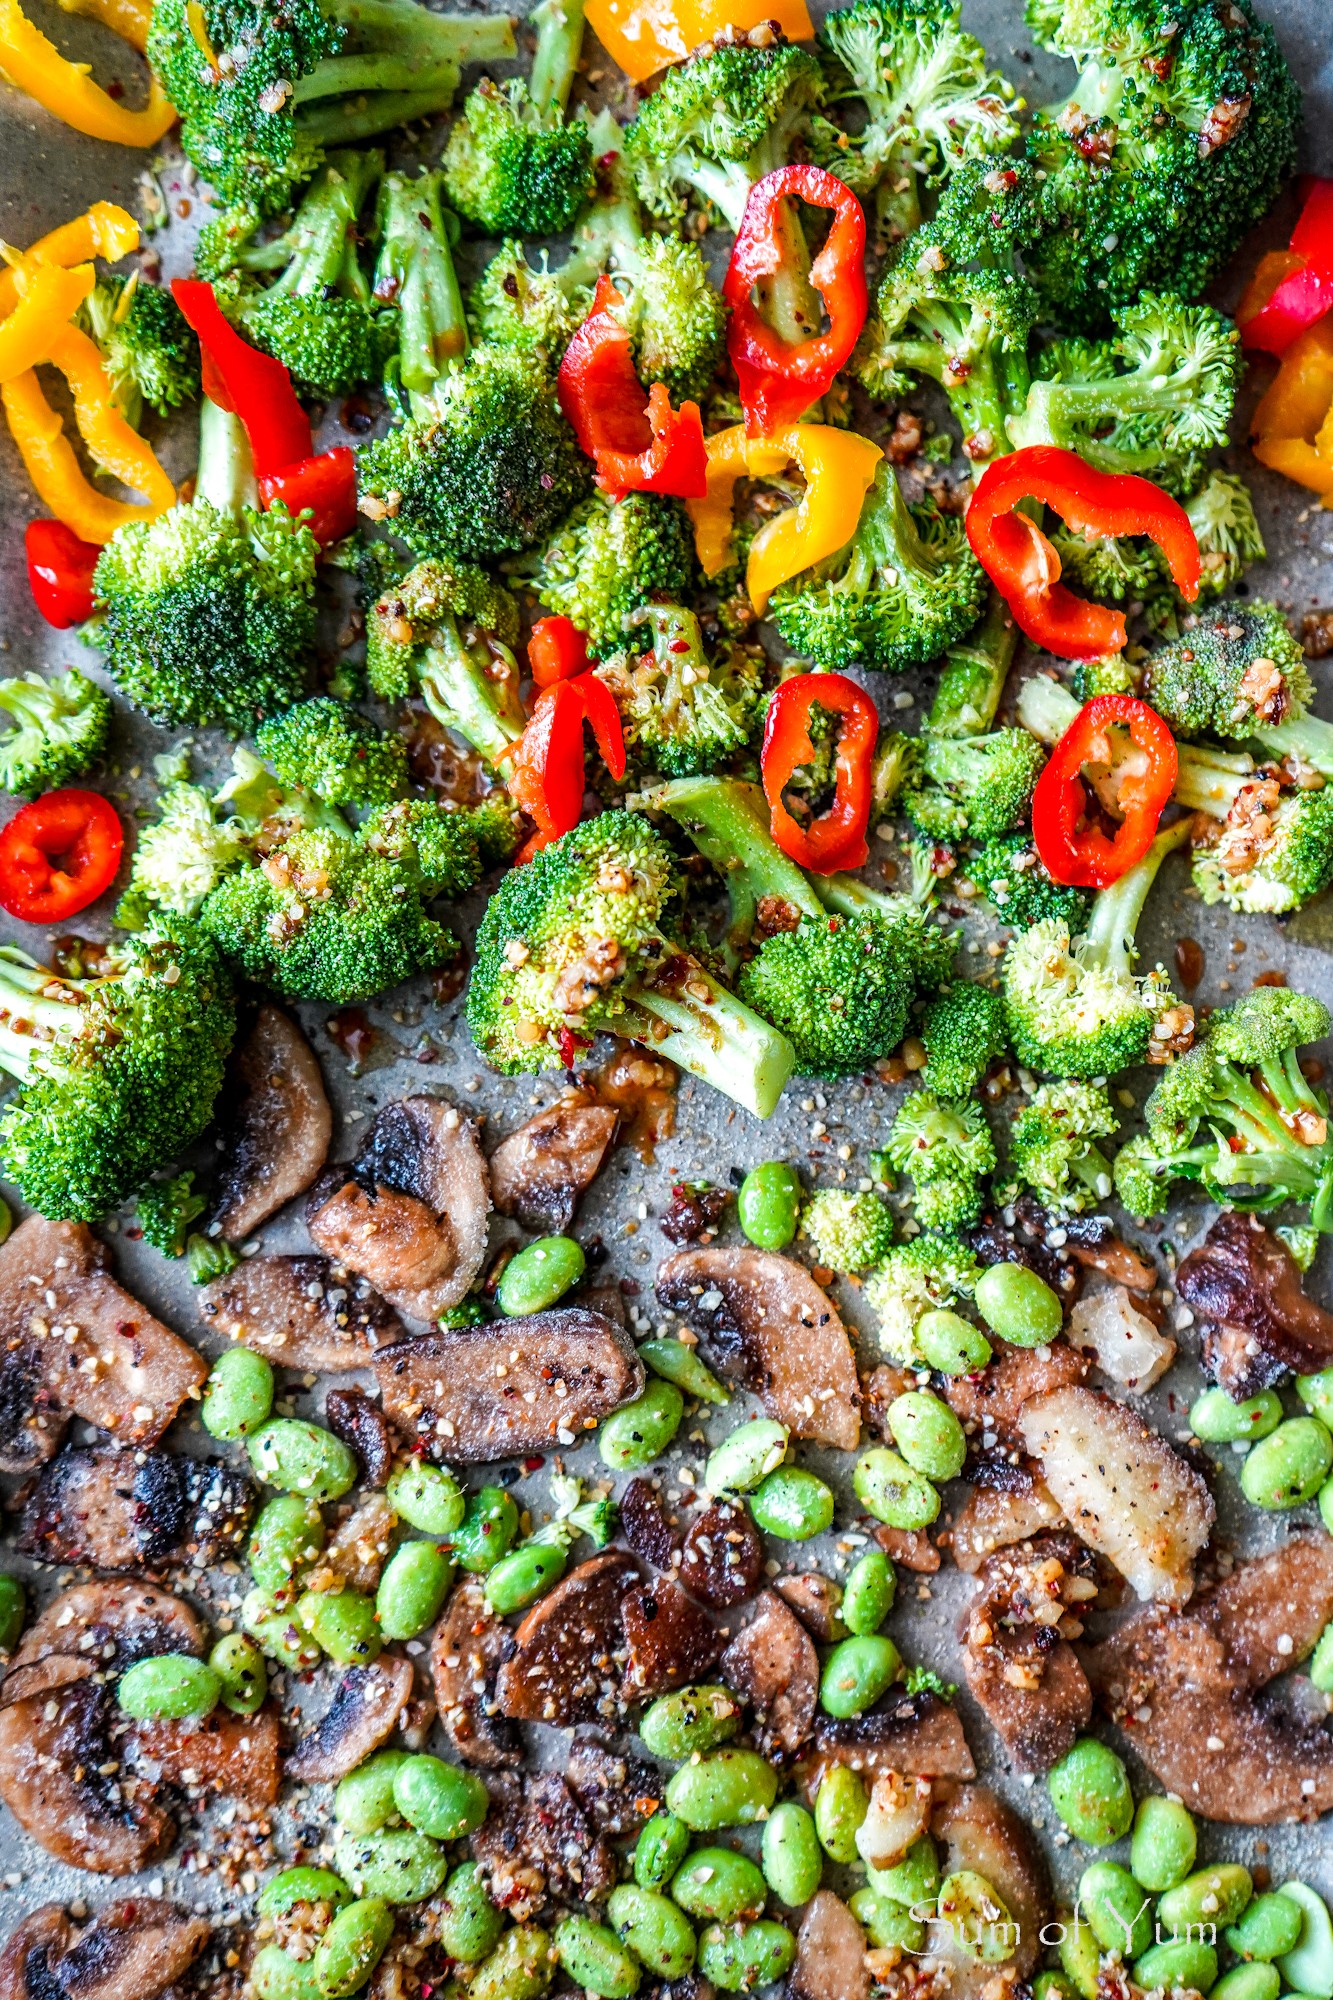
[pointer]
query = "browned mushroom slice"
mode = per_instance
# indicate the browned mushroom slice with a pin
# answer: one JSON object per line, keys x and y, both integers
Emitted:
{"x": 979, "y": 1832}
{"x": 568, "y": 1651}
{"x": 769, "y": 1326}
{"x": 670, "y": 1641}
{"x": 722, "y": 1558}
{"x": 910, "y": 1548}
{"x": 117, "y": 1510}
{"x": 539, "y": 1172}
{"x": 133, "y": 1951}
{"x": 114, "y": 1624}
{"x": 815, "y": 1600}
{"x": 995, "y": 1515}
{"x": 364, "y": 1429}
{"x": 1017, "y": 1659}
{"x": 302, "y": 1312}
{"x": 537, "y": 1845}
{"x": 468, "y": 1650}
{"x": 644, "y": 1524}
{"x": 618, "y": 1792}
{"x": 42, "y": 1938}
{"x": 364, "y": 1712}
{"x": 359, "y": 1547}
{"x": 513, "y": 1386}
{"x": 830, "y": 1953}
{"x": 278, "y": 1126}
{"x": 772, "y": 1662}
{"x": 990, "y": 1404}
{"x": 1244, "y": 1287}
{"x": 917, "y": 1735}
{"x": 411, "y": 1213}
{"x": 236, "y": 1755}
{"x": 1189, "y": 1687}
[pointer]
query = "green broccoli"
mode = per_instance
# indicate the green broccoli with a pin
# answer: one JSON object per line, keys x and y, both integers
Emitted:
{"x": 963, "y": 1033}
{"x": 209, "y": 1257}
{"x": 1228, "y": 533}
{"x": 118, "y": 1072}
{"x": 165, "y": 1209}
{"x": 1053, "y": 1145}
{"x": 847, "y": 1231}
{"x": 447, "y": 632}
{"x": 1271, "y": 849}
{"x": 977, "y": 785}
{"x": 684, "y": 714}
{"x": 1237, "y": 669}
{"x": 1121, "y": 569}
{"x": 514, "y": 165}
{"x": 1304, "y": 743}
{"x": 324, "y": 747}
{"x": 972, "y": 679}
{"x": 928, "y": 949}
{"x": 1131, "y": 568}
{"x": 208, "y": 611}
{"x": 947, "y": 1148}
{"x": 60, "y": 729}
{"x": 149, "y": 353}
{"x": 608, "y": 560}
{"x": 1011, "y": 875}
{"x": 180, "y": 856}
{"x": 571, "y": 944}
{"x": 414, "y": 272}
{"x": 927, "y": 1273}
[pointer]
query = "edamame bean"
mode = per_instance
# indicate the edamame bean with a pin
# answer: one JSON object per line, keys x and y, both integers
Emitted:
{"x": 1213, "y": 1895}
{"x": 1289, "y": 1466}
{"x": 1217, "y": 1420}
{"x": 169, "y": 1686}
{"x": 298, "y": 1457}
{"x": 857, "y": 1672}
{"x": 726, "y": 1788}
{"x": 640, "y": 1432}
{"x": 914, "y": 1879}
{"x": 793, "y": 1860}
{"x": 1164, "y": 1844}
{"x": 868, "y": 1594}
{"x": 398, "y": 1863}
{"x": 719, "y": 1886}
{"x": 239, "y": 1666}
{"x": 440, "y": 1799}
{"x": 1309, "y": 1968}
{"x": 841, "y": 1803}
{"x": 746, "y": 1955}
{"x": 1117, "y": 1908}
{"x": 978, "y": 1917}
{"x": 487, "y": 1530}
{"x": 675, "y": 1362}
{"x": 748, "y": 1455}
{"x": 1316, "y": 1392}
{"x": 276, "y": 1975}
{"x": 285, "y": 1540}
{"x": 541, "y": 1273}
{"x": 1090, "y": 1791}
{"x": 521, "y": 1967}
{"x": 238, "y": 1394}
{"x": 342, "y": 1622}
{"x": 595, "y": 1959}
{"x": 414, "y": 1585}
{"x": 426, "y": 1497}
{"x": 662, "y": 1845}
{"x": 768, "y": 1205}
{"x": 887, "y": 1924}
{"x": 691, "y": 1719}
{"x": 792, "y": 1504}
{"x": 1176, "y": 1964}
{"x": 1249, "y": 1982}
{"x": 13, "y": 1611}
{"x": 1052, "y": 1985}
{"x": 524, "y": 1575}
{"x": 364, "y": 1800}
{"x": 888, "y": 1488}
{"x": 1018, "y": 1305}
{"x": 1321, "y": 1660}
{"x": 277, "y": 1634}
{"x": 295, "y": 1886}
{"x": 947, "y": 1341}
{"x": 1270, "y": 1928}
{"x": 1080, "y": 1955}
{"x": 352, "y": 1947}
{"x": 470, "y": 1924}
{"x": 928, "y": 1434}
{"x": 657, "y": 1933}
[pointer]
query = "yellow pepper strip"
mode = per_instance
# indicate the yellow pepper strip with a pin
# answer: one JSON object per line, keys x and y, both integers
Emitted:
{"x": 67, "y": 91}
{"x": 113, "y": 442}
{"x": 50, "y": 295}
{"x": 127, "y": 18}
{"x": 839, "y": 467}
{"x": 101, "y": 231}
{"x": 645, "y": 35}
{"x": 49, "y": 459}
{"x": 731, "y": 456}
{"x": 1293, "y": 424}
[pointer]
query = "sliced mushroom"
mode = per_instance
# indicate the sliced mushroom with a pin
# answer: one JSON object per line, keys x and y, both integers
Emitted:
{"x": 468, "y": 1650}
{"x": 644, "y": 1524}
{"x": 1190, "y": 1689}
{"x": 411, "y": 1215}
{"x": 302, "y": 1312}
{"x": 996, "y": 1515}
{"x": 1122, "y": 1488}
{"x": 669, "y": 1640}
{"x": 991, "y": 1402}
{"x": 1019, "y": 1665}
{"x": 773, "y": 1664}
{"x": 364, "y": 1712}
{"x": 565, "y": 1666}
{"x": 1244, "y": 1287}
{"x": 513, "y": 1386}
{"x": 74, "y": 1341}
{"x": 618, "y": 1792}
{"x": 896, "y": 1819}
{"x": 359, "y": 1547}
{"x": 539, "y": 1172}
{"x": 910, "y": 1548}
{"x": 113, "y": 1624}
{"x": 815, "y": 1600}
{"x": 117, "y": 1510}
{"x": 979, "y": 1832}
{"x": 919, "y": 1735}
{"x": 537, "y": 1844}
{"x": 722, "y": 1557}
{"x": 364, "y": 1429}
{"x": 830, "y": 1953}
{"x": 133, "y": 1951}
{"x": 235, "y": 1755}
{"x": 279, "y": 1125}
{"x": 1123, "y": 1342}
{"x": 769, "y": 1326}
{"x": 41, "y": 1940}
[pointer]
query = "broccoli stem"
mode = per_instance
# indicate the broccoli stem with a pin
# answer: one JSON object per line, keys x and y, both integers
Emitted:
{"x": 1108, "y": 942}
{"x": 711, "y": 1034}
{"x": 559, "y": 44}
{"x": 403, "y": 26}
{"x": 728, "y": 821}
{"x": 37, "y": 1008}
{"x": 431, "y": 79}
{"x": 459, "y": 693}
{"x": 415, "y": 271}
{"x": 342, "y": 122}
{"x": 1308, "y": 740}
{"x": 226, "y": 473}
{"x": 974, "y": 675}
{"x": 317, "y": 255}
{"x": 1209, "y": 780}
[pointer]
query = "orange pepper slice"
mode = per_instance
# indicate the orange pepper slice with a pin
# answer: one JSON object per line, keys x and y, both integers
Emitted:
{"x": 645, "y": 36}
{"x": 129, "y": 19}
{"x": 1292, "y": 427}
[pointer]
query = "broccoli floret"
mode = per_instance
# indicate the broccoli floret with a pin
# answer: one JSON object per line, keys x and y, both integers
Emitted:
{"x": 977, "y": 785}
{"x": 324, "y": 747}
{"x": 1124, "y": 569}
{"x": 149, "y": 353}
{"x": 1227, "y": 531}
{"x": 528, "y": 306}
{"x": 119, "y": 1072}
{"x": 571, "y": 944}
{"x": 1011, "y": 875}
{"x": 60, "y": 728}
{"x": 608, "y": 560}
{"x": 963, "y": 1033}
{"x": 684, "y": 714}
{"x": 1110, "y": 673}
{"x": 927, "y": 950}
{"x": 847, "y": 1231}
{"x": 1238, "y": 668}
{"x": 1053, "y": 1145}
{"x": 1302, "y": 1241}
{"x": 446, "y": 631}
{"x": 947, "y": 1148}
{"x": 208, "y": 612}
{"x": 209, "y": 1257}
{"x": 1270, "y": 850}
{"x": 930, "y": 1271}
{"x": 902, "y": 589}
{"x": 165, "y": 1210}
{"x": 180, "y": 856}
{"x": 975, "y": 670}
{"x": 513, "y": 165}
{"x": 1075, "y": 1007}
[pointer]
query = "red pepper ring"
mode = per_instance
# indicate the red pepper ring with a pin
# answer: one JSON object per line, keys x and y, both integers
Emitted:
{"x": 60, "y": 573}
{"x": 640, "y": 444}
{"x": 57, "y": 855}
{"x": 837, "y": 839}
{"x": 1082, "y": 856}
{"x": 1023, "y": 565}
{"x": 546, "y": 764}
{"x": 238, "y": 377}
{"x": 780, "y": 379}
{"x": 557, "y": 650}
{"x": 326, "y": 484}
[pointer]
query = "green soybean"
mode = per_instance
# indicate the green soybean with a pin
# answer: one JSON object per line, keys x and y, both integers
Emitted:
{"x": 414, "y": 1585}
{"x": 675, "y": 1362}
{"x": 914, "y": 1879}
{"x": 1089, "y": 1789}
{"x": 663, "y": 1843}
{"x": 1309, "y": 1968}
{"x": 1289, "y": 1466}
{"x": 287, "y": 1536}
{"x": 1326, "y": 1504}
{"x": 1117, "y": 1908}
{"x": 634, "y": 1436}
{"x": 655, "y": 1930}
{"x": 238, "y": 1394}
{"x": 364, "y": 1800}
{"x": 1052, "y": 1985}
{"x": 487, "y": 1530}
{"x": 1321, "y": 1660}
{"x": 343, "y": 1623}
{"x": 352, "y": 1947}
{"x": 950, "y": 1343}
{"x": 595, "y": 1959}
{"x": 1177, "y": 1963}
{"x": 1217, "y": 1420}
{"x": 470, "y": 1924}
{"x": 792, "y": 1504}
{"x": 1214, "y": 1895}
{"x": 928, "y": 1434}
{"x": 857, "y": 1672}
{"x": 719, "y": 1886}
{"x": 1316, "y": 1392}
{"x": 1080, "y": 1955}
{"x": 888, "y": 1488}
{"x": 1018, "y": 1305}
{"x": 1164, "y": 1844}
{"x": 745, "y": 1457}
{"x": 793, "y": 1859}
{"x": 691, "y": 1719}
{"x": 768, "y": 1205}
{"x": 978, "y": 1916}
{"x": 524, "y": 1575}
{"x": 887, "y": 1924}
{"x": 169, "y": 1686}
{"x": 1249, "y": 1982}
{"x": 13, "y": 1611}
{"x": 295, "y": 1886}
{"x": 728, "y": 1787}
{"x": 399, "y": 1863}
{"x": 440, "y": 1799}
{"x": 298, "y": 1457}
{"x": 275, "y": 1631}
{"x": 868, "y": 1594}
{"x": 276, "y": 1975}
{"x": 841, "y": 1803}
{"x": 746, "y": 1956}
{"x": 426, "y": 1497}
{"x": 1269, "y": 1928}
{"x": 541, "y": 1273}
{"x": 521, "y": 1967}
{"x": 239, "y": 1665}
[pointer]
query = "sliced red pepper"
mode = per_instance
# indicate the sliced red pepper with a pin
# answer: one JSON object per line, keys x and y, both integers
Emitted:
{"x": 238, "y": 377}
{"x": 1071, "y": 843}
{"x": 60, "y": 573}
{"x": 57, "y": 855}
{"x": 837, "y": 839}
{"x": 779, "y": 379}
{"x": 557, "y": 650}
{"x": 546, "y": 764}
{"x": 640, "y": 444}
{"x": 1023, "y": 565}
{"x": 326, "y": 484}
{"x": 1292, "y": 288}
